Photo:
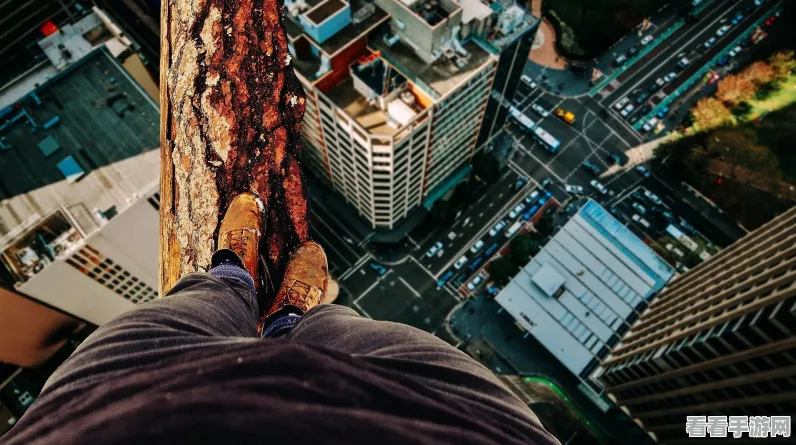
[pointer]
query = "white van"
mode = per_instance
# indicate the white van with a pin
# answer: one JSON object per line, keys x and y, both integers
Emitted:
{"x": 513, "y": 229}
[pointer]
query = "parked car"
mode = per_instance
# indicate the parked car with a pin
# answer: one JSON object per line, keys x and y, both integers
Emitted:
{"x": 642, "y": 98}
{"x": 646, "y": 40}
{"x": 614, "y": 158}
{"x": 444, "y": 278}
{"x": 491, "y": 249}
{"x": 591, "y": 167}
{"x": 641, "y": 221}
{"x": 662, "y": 113}
{"x": 619, "y": 61}
{"x": 513, "y": 229}
{"x": 709, "y": 42}
{"x": 528, "y": 81}
{"x": 670, "y": 247}
{"x": 639, "y": 208}
{"x": 650, "y": 125}
{"x": 653, "y": 197}
{"x": 737, "y": 19}
{"x": 521, "y": 181}
{"x": 771, "y": 20}
{"x": 574, "y": 189}
{"x": 475, "y": 264}
{"x": 759, "y": 2}
{"x": 640, "y": 169}
{"x": 532, "y": 196}
{"x": 621, "y": 104}
{"x": 477, "y": 247}
{"x": 516, "y": 210}
{"x": 460, "y": 262}
{"x": 532, "y": 211}
{"x": 735, "y": 51}
{"x": 599, "y": 187}
{"x": 546, "y": 183}
{"x": 654, "y": 88}
{"x": 645, "y": 109}
{"x": 669, "y": 77}
{"x": 687, "y": 227}
{"x": 723, "y": 30}
{"x": 627, "y": 110}
{"x": 498, "y": 227}
{"x": 724, "y": 60}
{"x": 475, "y": 282}
{"x": 434, "y": 249}
{"x": 381, "y": 270}
{"x": 632, "y": 51}
{"x": 540, "y": 109}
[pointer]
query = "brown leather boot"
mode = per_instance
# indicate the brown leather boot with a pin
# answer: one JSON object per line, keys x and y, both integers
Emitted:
{"x": 306, "y": 278}
{"x": 240, "y": 233}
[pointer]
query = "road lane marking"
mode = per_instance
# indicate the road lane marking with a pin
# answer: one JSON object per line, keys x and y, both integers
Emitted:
{"x": 410, "y": 287}
{"x": 362, "y": 310}
{"x": 376, "y": 283}
{"x": 331, "y": 215}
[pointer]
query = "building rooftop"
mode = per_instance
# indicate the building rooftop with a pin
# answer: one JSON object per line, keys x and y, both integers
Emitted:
{"x": 436, "y": 79}
{"x": 366, "y": 15}
{"x": 512, "y": 23}
{"x": 371, "y": 118}
{"x": 85, "y": 140}
{"x": 608, "y": 274}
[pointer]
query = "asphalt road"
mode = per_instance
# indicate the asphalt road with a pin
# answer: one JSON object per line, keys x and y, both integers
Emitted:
{"x": 689, "y": 42}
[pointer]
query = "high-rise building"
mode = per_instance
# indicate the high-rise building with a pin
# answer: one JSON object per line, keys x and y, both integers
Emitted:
{"x": 719, "y": 340}
{"x": 80, "y": 168}
{"x": 397, "y": 91}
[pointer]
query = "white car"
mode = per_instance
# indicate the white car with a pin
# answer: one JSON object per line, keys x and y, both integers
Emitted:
{"x": 513, "y": 229}
{"x": 475, "y": 282}
{"x": 641, "y": 221}
{"x": 710, "y": 42}
{"x": 574, "y": 189}
{"x": 460, "y": 262}
{"x": 477, "y": 247}
{"x": 628, "y": 109}
{"x": 434, "y": 249}
{"x": 498, "y": 227}
{"x": 532, "y": 196}
{"x": 723, "y": 30}
{"x": 599, "y": 187}
{"x": 652, "y": 197}
{"x": 735, "y": 51}
{"x": 621, "y": 104}
{"x": 652, "y": 123}
{"x": 759, "y": 2}
{"x": 639, "y": 208}
{"x": 669, "y": 77}
{"x": 515, "y": 212}
{"x": 645, "y": 41}
{"x": 540, "y": 109}
{"x": 528, "y": 81}
{"x": 675, "y": 250}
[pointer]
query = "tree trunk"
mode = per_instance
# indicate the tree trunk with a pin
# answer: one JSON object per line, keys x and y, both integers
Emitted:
{"x": 231, "y": 110}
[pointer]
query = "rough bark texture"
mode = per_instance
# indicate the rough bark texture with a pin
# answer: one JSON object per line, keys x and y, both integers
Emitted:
{"x": 231, "y": 110}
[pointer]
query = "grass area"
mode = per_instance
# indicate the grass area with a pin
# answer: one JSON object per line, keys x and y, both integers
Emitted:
{"x": 594, "y": 25}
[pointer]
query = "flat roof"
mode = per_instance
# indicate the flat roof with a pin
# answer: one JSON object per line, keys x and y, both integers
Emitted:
{"x": 349, "y": 33}
{"x": 105, "y": 122}
{"x": 441, "y": 76}
{"x": 357, "y": 107}
{"x": 608, "y": 274}
{"x": 325, "y": 10}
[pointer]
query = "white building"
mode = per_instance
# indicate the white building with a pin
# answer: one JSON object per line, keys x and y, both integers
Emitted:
{"x": 79, "y": 164}
{"x": 582, "y": 291}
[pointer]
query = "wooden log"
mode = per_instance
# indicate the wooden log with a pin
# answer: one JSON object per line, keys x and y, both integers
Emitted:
{"x": 231, "y": 110}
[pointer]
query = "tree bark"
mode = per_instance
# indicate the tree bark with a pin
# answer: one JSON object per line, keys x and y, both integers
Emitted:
{"x": 231, "y": 110}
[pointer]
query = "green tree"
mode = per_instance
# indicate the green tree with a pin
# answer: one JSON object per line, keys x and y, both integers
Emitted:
{"x": 523, "y": 247}
{"x": 767, "y": 90}
{"x": 742, "y": 110}
{"x": 486, "y": 168}
{"x": 545, "y": 226}
{"x": 502, "y": 270}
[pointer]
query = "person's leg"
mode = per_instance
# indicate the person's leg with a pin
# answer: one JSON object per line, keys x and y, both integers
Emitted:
{"x": 217, "y": 307}
{"x": 406, "y": 349}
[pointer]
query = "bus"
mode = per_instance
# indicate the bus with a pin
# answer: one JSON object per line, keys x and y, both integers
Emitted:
{"x": 550, "y": 143}
{"x": 525, "y": 123}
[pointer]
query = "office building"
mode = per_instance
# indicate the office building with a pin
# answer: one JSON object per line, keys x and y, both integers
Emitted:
{"x": 80, "y": 169}
{"x": 585, "y": 288}
{"x": 719, "y": 340}
{"x": 396, "y": 93}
